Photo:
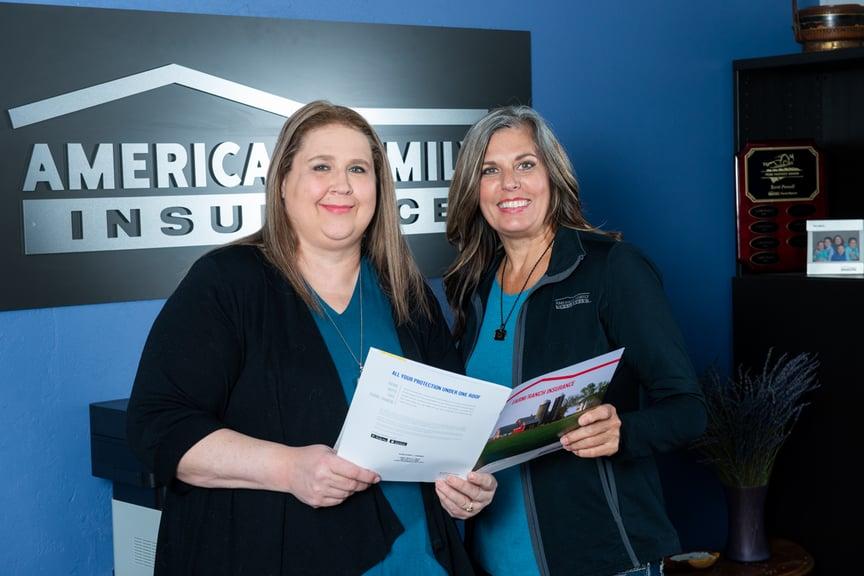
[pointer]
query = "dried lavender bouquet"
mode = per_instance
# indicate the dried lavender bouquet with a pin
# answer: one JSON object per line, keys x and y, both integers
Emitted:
{"x": 750, "y": 418}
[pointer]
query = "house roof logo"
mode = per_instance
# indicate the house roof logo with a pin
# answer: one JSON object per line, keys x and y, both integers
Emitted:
{"x": 143, "y": 214}
{"x": 112, "y": 90}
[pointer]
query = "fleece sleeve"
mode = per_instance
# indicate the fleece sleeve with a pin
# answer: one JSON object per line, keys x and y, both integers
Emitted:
{"x": 637, "y": 316}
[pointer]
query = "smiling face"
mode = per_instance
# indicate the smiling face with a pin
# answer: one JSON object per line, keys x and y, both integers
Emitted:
{"x": 329, "y": 194}
{"x": 514, "y": 185}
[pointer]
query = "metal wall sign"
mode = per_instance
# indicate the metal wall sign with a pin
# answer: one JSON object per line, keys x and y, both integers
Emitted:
{"x": 133, "y": 142}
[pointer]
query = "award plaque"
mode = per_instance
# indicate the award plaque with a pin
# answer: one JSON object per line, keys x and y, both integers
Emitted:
{"x": 780, "y": 187}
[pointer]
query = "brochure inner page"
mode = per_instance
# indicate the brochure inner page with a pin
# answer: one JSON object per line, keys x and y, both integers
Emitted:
{"x": 541, "y": 410}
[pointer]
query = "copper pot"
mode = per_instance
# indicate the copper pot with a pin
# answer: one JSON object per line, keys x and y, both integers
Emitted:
{"x": 828, "y": 27}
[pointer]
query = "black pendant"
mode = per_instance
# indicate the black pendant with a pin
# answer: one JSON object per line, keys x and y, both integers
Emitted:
{"x": 500, "y": 333}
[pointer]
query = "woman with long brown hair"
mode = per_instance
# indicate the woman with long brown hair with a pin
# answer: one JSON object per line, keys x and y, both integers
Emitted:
{"x": 249, "y": 369}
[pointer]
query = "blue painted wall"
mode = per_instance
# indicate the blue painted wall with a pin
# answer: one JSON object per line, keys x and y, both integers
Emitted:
{"x": 640, "y": 93}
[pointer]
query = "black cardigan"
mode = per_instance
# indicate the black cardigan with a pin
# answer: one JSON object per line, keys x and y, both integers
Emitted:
{"x": 234, "y": 347}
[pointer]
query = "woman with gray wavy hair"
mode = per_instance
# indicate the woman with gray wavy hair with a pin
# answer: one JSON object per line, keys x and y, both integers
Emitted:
{"x": 536, "y": 288}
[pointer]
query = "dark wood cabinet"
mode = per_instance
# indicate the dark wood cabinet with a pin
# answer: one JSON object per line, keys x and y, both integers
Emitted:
{"x": 818, "y": 97}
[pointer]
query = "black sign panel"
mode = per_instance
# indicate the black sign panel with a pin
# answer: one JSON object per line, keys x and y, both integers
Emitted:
{"x": 133, "y": 142}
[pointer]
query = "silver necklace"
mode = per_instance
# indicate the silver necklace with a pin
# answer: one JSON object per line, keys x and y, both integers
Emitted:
{"x": 339, "y": 332}
{"x": 501, "y": 331}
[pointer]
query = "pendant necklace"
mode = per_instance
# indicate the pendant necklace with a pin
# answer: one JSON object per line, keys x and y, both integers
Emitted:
{"x": 339, "y": 332}
{"x": 501, "y": 331}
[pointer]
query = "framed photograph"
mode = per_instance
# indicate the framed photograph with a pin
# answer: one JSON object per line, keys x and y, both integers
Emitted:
{"x": 834, "y": 247}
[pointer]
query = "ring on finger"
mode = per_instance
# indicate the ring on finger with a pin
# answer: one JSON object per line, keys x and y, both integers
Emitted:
{"x": 469, "y": 507}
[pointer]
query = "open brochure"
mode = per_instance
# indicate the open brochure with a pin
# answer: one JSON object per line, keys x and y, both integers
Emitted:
{"x": 412, "y": 422}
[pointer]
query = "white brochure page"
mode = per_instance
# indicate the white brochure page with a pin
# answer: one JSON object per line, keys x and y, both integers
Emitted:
{"x": 414, "y": 423}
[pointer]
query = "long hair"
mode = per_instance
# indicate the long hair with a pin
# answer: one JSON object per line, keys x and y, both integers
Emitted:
{"x": 475, "y": 241}
{"x": 382, "y": 243}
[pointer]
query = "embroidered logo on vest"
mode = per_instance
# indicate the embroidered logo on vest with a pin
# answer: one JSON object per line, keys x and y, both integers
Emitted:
{"x": 570, "y": 301}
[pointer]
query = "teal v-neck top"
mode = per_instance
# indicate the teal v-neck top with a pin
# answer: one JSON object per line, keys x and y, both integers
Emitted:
{"x": 411, "y": 552}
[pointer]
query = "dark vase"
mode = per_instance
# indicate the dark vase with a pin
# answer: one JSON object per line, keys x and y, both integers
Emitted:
{"x": 746, "y": 541}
